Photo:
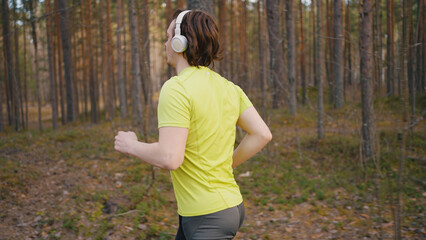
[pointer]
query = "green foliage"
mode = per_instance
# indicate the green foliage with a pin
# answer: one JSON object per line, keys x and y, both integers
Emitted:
{"x": 70, "y": 221}
{"x": 326, "y": 174}
{"x": 105, "y": 225}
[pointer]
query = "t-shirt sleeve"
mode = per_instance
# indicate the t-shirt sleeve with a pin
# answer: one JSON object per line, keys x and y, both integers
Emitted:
{"x": 244, "y": 101}
{"x": 173, "y": 106}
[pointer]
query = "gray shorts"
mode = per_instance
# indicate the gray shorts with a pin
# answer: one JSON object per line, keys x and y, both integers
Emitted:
{"x": 219, "y": 225}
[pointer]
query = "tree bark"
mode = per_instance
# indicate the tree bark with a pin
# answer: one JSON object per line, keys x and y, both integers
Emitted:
{"x": 366, "y": 53}
{"x": 378, "y": 45}
{"x": 120, "y": 76}
{"x": 144, "y": 58}
{"x": 338, "y": 55}
{"x": 275, "y": 50}
{"x": 262, "y": 58}
{"x": 36, "y": 73}
{"x": 7, "y": 62}
{"x": 420, "y": 47}
{"x": 291, "y": 55}
{"x": 169, "y": 15}
{"x": 320, "y": 121}
{"x": 205, "y": 5}
{"x": 403, "y": 135}
{"x": 110, "y": 99}
{"x": 223, "y": 34}
{"x": 13, "y": 112}
{"x": 348, "y": 55}
{"x": 83, "y": 59}
{"x": 243, "y": 59}
{"x": 67, "y": 57}
{"x": 104, "y": 54}
{"x": 52, "y": 80}
{"x": 390, "y": 82}
{"x": 59, "y": 61}
{"x": 180, "y": 4}
{"x": 25, "y": 76}
{"x": 136, "y": 84}
{"x": 74, "y": 77}
{"x": 93, "y": 86}
{"x": 232, "y": 42}
{"x": 410, "y": 62}
{"x": 314, "y": 65}
{"x": 329, "y": 52}
{"x": 302, "y": 53}
{"x": 18, "y": 88}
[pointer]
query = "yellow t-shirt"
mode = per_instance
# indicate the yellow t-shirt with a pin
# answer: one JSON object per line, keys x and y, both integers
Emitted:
{"x": 209, "y": 106}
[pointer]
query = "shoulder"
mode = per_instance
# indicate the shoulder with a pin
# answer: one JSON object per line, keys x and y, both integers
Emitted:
{"x": 173, "y": 85}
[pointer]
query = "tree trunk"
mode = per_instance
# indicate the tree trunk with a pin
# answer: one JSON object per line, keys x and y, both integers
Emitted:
{"x": 36, "y": 76}
{"x": 136, "y": 84}
{"x": 83, "y": 59}
{"x": 67, "y": 57}
{"x": 74, "y": 77}
{"x": 13, "y": 112}
{"x": 125, "y": 58}
{"x": 338, "y": 55}
{"x": 420, "y": 47}
{"x": 180, "y": 4}
{"x": 104, "y": 54}
{"x": 348, "y": 55}
{"x": 59, "y": 61}
{"x": 144, "y": 58}
{"x": 243, "y": 59}
{"x": 1, "y": 109}
{"x": 25, "y": 76}
{"x": 223, "y": 34}
{"x": 329, "y": 52}
{"x": 302, "y": 53}
{"x": 262, "y": 58}
{"x": 314, "y": 65}
{"x": 232, "y": 50}
{"x": 378, "y": 46}
{"x": 366, "y": 53}
{"x": 169, "y": 15}
{"x": 121, "y": 83}
{"x": 275, "y": 50}
{"x": 52, "y": 80}
{"x": 18, "y": 88}
{"x": 319, "y": 73}
{"x": 402, "y": 136}
{"x": 109, "y": 67}
{"x": 410, "y": 63}
{"x": 93, "y": 87}
{"x": 205, "y": 5}
{"x": 291, "y": 55}
{"x": 390, "y": 82}
{"x": 7, "y": 62}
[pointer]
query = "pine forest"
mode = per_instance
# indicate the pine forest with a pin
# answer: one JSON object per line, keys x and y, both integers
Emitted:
{"x": 340, "y": 83}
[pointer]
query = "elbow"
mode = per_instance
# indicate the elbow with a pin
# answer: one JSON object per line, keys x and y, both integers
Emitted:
{"x": 172, "y": 162}
{"x": 267, "y": 136}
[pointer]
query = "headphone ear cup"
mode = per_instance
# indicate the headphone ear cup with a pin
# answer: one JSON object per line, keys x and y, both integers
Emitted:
{"x": 179, "y": 43}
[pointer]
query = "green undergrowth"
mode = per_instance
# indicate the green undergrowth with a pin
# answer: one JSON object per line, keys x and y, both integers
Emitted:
{"x": 108, "y": 192}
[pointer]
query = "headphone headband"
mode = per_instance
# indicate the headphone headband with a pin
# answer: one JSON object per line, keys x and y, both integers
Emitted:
{"x": 179, "y": 21}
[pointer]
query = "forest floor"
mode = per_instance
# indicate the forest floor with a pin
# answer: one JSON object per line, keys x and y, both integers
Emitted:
{"x": 71, "y": 184}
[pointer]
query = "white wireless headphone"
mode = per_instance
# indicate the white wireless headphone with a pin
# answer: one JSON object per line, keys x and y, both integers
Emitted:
{"x": 179, "y": 42}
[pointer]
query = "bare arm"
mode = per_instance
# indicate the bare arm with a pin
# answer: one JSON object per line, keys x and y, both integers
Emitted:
{"x": 258, "y": 135}
{"x": 167, "y": 153}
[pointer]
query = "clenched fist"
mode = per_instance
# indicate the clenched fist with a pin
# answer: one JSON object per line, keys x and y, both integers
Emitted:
{"x": 124, "y": 141}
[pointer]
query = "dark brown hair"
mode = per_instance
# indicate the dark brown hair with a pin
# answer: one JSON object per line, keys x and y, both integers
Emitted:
{"x": 203, "y": 38}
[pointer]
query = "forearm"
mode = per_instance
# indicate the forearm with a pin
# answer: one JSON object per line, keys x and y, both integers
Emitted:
{"x": 248, "y": 147}
{"x": 151, "y": 153}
